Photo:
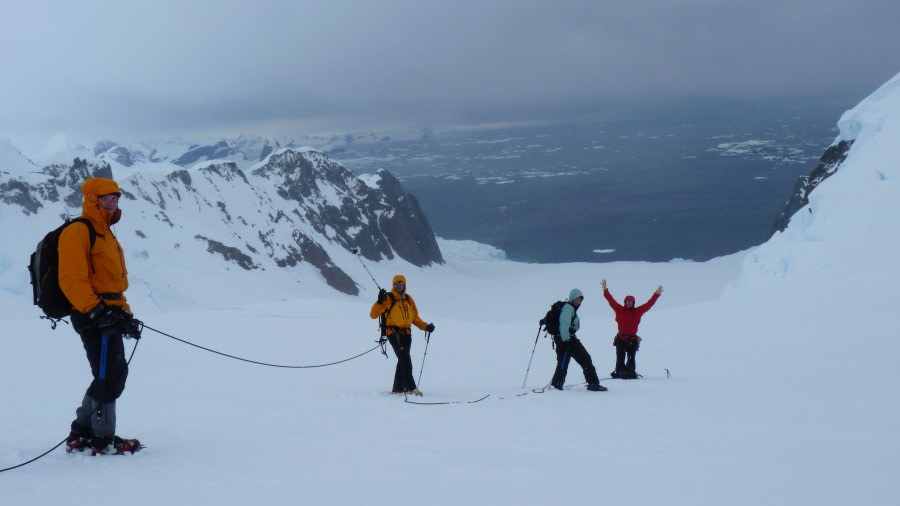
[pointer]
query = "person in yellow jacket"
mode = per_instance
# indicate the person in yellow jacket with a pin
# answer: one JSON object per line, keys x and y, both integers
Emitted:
{"x": 94, "y": 279}
{"x": 400, "y": 313}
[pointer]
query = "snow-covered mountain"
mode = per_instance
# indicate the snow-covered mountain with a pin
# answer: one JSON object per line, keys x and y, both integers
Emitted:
{"x": 244, "y": 150}
{"x": 12, "y": 160}
{"x": 844, "y": 215}
{"x": 296, "y": 215}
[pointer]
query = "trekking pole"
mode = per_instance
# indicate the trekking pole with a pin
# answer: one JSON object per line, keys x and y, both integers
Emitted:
{"x": 427, "y": 340}
{"x": 355, "y": 251}
{"x": 540, "y": 324}
{"x": 101, "y": 401}
{"x": 381, "y": 321}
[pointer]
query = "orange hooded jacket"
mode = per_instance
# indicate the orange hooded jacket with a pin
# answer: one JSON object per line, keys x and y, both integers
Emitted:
{"x": 86, "y": 271}
{"x": 404, "y": 312}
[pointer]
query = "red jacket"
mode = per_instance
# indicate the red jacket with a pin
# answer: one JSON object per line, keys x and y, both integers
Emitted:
{"x": 629, "y": 319}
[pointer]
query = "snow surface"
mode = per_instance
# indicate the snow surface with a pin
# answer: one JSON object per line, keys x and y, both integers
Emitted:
{"x": 782, "y": 388}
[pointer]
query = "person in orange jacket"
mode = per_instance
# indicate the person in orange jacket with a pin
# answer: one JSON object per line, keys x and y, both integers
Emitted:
{"x": 94, "y": 279}
{"x": 627, "y": 342}
{"x": 400, "y": 313}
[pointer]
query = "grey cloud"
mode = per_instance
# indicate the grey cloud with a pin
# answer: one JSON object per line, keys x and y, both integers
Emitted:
{"x": 175, "y": 66}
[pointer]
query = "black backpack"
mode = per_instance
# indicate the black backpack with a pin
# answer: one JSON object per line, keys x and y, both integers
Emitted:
{"x": 551, "y": 319}
{"x": 382, "y": 320}
{"x": 44, "y": 270}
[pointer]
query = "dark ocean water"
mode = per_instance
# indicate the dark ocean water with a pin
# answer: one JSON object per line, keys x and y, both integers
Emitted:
{"x": 650, "y": 189}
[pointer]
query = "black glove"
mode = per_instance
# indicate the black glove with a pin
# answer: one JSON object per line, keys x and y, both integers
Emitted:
{"x": 429, "y": 328}
{"x": 131, "y": 327}
{"x": 382, "y": 296}
{"x": 105, "y": 319}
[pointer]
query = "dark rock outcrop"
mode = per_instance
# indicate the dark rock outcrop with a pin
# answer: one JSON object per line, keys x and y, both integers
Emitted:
{"x": 407, "y": 229}
{"x": 229, "y": 253}
{"x": 121, "y": 155}
{"x": 199, "y": 153}
{"x": 831, "y": 160}
{"x": 63, "y": 184}
{"x": 377, "y": 222}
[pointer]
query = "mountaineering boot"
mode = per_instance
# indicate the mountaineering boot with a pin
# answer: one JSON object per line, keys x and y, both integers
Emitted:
{"x": 596, "y": 387}
{"x": 77, "y": 442}
{"x": 114, "y": 445}
{"x": 615, "y": 374}
{"x": 415, "y": 391}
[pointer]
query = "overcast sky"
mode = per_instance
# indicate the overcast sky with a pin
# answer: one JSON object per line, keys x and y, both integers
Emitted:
{"x": 139, "y": 69}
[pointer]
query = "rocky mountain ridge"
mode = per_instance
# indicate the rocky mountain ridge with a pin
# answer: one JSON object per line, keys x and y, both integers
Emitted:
{"x": 296, "y": 207}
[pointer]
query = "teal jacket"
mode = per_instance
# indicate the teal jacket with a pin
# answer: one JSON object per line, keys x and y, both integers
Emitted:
{"x": 568, "y": 317}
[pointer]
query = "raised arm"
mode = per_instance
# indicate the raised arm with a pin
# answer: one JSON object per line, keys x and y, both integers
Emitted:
{"x": 608, "y": 296}
{"x": 643, "y": 308}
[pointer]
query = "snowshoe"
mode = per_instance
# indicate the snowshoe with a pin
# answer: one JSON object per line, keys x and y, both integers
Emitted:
{"x": 597, "y": 388}
{"x": 114, "y": 445}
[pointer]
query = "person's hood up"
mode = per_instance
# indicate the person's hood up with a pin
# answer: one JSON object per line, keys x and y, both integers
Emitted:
{"x": 574, "y": 294}
{"x": 631, "y": 298}
{"x": 398, "y": 277}
{"x": 92, "y": 189}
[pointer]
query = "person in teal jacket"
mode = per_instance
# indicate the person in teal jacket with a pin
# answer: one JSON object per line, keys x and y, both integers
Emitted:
{"x": 568, "y": 346}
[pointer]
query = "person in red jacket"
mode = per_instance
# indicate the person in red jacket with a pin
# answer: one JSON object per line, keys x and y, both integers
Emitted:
{"x": 627, "y": 342}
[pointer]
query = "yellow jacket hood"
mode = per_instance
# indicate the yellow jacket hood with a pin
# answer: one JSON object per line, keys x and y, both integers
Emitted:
{"x": 92, "y": 189}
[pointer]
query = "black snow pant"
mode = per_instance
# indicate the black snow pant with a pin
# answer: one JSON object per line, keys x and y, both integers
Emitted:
{"x": 569, "y": 350}
{"x": 401, "y": 342}
{"x": 626, "y": 349}
{"x": 97, "y": 413}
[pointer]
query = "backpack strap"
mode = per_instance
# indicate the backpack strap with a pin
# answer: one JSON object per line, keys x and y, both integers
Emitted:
{"x": 393, "y": 302}
{"x": 92, "y": 235}
{"x": 383, "y": 318}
